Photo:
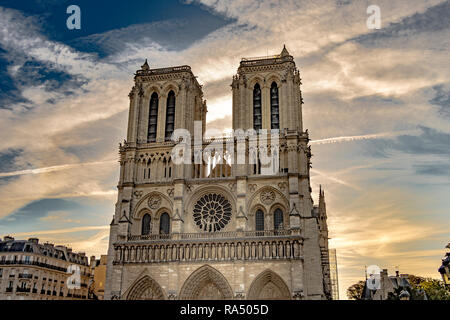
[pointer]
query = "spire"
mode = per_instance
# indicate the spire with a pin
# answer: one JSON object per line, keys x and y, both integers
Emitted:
{"x": 145, "y": 66}
{"x": 284, "y": 52}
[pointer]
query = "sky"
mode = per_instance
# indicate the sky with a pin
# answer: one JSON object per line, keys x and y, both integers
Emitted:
{"x": 376, "y": 105}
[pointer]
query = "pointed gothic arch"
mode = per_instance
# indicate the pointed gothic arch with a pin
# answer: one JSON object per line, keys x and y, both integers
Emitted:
{"x": 206, "y": 283}
{"x": 146, "y": 223}
{"x": 146, "y": 288}
{"x": 268, "y": 286}
{"x": 170, "y": 115}
{"x": 153, "y": 117}
{"x": 257, "y": 107}
{"x": 164, "y": 223}
{"x": 259, "y": 220}
{"x": 274, "y": 107}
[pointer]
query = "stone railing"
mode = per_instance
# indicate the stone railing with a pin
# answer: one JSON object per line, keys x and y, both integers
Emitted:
{"x": 211, "y": 235}
{"x": 253, "y": 245}
{"x": 163, "y": 70}
{"x": 248, "y": 62}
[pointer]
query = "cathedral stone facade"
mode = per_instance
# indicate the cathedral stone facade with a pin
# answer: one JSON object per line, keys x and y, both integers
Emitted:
{"x": 216, "y": 227}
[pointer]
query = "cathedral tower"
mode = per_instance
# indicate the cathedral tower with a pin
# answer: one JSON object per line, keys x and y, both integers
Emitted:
{"x": 214, "y": 227}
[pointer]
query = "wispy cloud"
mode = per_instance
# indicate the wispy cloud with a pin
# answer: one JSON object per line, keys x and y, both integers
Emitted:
{"x": 375, "y": 87}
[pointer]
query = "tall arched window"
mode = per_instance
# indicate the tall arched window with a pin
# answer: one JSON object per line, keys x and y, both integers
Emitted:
{"x": 278, "y": 219}
{"x": 259, "y": 220}
{"x": 153, "y": 118}
{"x": 257, "y": 114}
{"x": 170, "y": 114}
{"x": 146, "y": 224}
{"x": 164, "y": 224}
{"x": 274, "y": 110}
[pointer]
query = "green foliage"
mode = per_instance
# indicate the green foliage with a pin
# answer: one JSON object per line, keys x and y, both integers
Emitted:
{"x": 355, "y": 291}
{"x": 433, "y": 288}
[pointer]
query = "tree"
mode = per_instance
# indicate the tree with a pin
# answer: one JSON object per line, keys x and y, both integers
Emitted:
{"x": 354, "y": 292}
{"x": 435, "y": 289}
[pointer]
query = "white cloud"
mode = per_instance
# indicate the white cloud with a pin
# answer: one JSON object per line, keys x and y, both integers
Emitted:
{"x": 335, "y": 74}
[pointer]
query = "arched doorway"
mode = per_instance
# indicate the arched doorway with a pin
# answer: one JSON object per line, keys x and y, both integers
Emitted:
{"x": 206, "y": 283}
{"x": 145, "y": 289}
{"x": 268, "y": 286}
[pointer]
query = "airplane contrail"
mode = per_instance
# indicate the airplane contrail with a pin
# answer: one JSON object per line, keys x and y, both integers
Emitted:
{"x": 53, "y": 168}
{"x": 362, "y": 137}
{"x": 335, "y": 179}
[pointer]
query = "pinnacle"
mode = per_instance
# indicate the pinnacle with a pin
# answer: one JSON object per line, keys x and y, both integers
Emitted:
{"x": 145, "y": 66}
{"x": 284, "y": 52}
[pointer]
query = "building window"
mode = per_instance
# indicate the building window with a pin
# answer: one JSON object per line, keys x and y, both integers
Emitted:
{"x": 164, "y": 224}
{"x": 278, "y": 219}
{"x": 165, "y": 167}
{"x": 274, "y": 110}
{"x": 259, "y": 220}
{"x": 146, "y": 224}
{"x": 257, "y": 114}
{"x": 153, "y": 118}
{"x": 170, "y": 114}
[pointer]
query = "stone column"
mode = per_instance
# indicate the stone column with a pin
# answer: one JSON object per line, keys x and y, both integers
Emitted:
{"x": 161, "y": 125}
{"x": 142, "y": 118}
{"x": 178, "y": 214}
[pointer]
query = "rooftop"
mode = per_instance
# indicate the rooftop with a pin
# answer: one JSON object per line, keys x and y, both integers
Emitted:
{"x": 283, "y": 57}
{"x": 32, "y": 245}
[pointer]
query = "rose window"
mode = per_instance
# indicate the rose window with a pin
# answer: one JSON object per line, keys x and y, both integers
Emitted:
{"x": 212, "y": 212}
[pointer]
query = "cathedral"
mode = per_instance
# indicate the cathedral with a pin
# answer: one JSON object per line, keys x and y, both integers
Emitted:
{"x": 235, "y": 219}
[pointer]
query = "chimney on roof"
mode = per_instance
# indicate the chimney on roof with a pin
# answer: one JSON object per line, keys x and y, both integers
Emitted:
{"x": 103, "y": 258}
{"x": 92, "y": 261}
{"x": 34, "y": 240}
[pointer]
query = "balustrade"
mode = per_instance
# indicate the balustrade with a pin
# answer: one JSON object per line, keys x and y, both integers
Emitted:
{"x": 225, "y": 246}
